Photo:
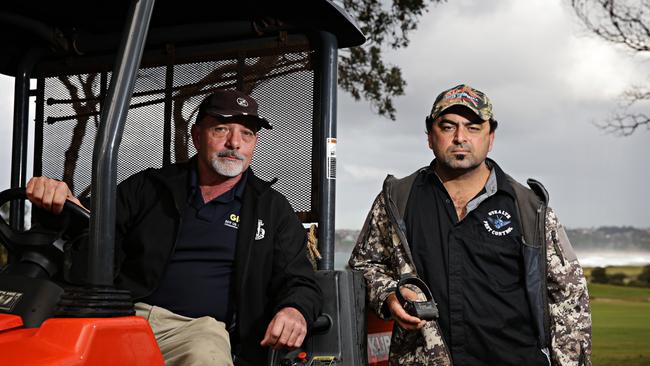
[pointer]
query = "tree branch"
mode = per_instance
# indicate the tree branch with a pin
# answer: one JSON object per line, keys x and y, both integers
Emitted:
{"x": 625, "y": 22}
{"x": 625, "y": 124}
{"x": 362, "y": 71}
{"x": 622, "y": 22}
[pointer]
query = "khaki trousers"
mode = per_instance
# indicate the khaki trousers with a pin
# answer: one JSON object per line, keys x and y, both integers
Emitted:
{"x": 187, "y": 341}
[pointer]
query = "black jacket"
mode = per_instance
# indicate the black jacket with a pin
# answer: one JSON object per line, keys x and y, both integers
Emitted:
{"x": 554, "y": 281}
{"x": 271, "y": 266}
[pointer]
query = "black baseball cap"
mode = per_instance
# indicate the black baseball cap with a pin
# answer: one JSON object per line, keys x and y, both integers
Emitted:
{"x": 231, "y": 103}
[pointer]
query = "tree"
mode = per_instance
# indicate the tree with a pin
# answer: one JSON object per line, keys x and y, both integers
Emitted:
{"x": 599, "y": 275}
{"x": 362, "y": 71}
{"x": 627, "y": 23}
{"x": 618, "y": 278}
{"x": 644, "y": 276}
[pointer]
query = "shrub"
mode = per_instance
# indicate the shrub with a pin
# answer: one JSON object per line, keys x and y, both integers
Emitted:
{"x": 599, "y": 275}
{"x": 617, "y": 278}
{"x": 644, "y": 276}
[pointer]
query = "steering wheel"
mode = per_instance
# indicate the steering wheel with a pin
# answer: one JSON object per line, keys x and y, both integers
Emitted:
{"x": 37, "y": 245}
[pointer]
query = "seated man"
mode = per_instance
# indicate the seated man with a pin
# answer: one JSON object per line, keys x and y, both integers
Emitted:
{"x": 207, "y": 288}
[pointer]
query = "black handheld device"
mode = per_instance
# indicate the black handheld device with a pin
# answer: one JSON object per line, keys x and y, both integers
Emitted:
{"x": 425, "y": 310}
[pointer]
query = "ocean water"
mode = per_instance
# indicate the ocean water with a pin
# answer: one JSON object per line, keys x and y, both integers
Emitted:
{"x": 586, "y": 258}
{"x": 613, "y": 258}
{"x": 341, "y": 259}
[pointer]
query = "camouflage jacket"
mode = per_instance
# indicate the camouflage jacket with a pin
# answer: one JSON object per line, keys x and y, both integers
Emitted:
{"x": 558, "y": 293}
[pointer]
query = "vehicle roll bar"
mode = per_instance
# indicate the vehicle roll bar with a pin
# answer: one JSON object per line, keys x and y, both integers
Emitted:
{"x": 105, "y": 154}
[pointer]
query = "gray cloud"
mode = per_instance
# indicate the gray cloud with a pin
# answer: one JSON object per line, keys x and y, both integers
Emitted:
{"x": 548, "y": 83}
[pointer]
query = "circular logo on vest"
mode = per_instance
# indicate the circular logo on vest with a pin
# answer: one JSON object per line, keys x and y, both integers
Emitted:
{"x": 242, "y": 102}
{"x": 498, "y": 222}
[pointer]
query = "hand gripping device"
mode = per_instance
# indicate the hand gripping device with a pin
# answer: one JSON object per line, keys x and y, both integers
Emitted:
{"x": 425, "y": 310}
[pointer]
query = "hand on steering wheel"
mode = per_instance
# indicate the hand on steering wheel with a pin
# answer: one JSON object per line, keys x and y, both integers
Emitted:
{"x": 38, "y": 245}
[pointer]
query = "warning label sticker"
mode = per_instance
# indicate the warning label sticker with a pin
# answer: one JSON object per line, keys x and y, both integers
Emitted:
{"x": 331, "y": 158}
{"x": 378, "y": 346}
{"x": 9, "y": 299}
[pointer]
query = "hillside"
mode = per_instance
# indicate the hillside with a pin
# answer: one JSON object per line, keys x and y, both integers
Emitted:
{"x": 610, "y": 238}
{"x": 602, "y": 238}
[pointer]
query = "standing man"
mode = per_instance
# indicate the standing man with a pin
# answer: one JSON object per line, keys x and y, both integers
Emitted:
{"x": 507, "y": 284}
{"x": 215, "y": 257}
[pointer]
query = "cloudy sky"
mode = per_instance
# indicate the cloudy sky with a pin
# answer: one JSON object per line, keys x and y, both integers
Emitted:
{"x": 548, "y": 81}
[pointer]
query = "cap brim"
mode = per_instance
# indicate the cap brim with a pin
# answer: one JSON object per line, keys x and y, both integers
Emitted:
{"x": 261, "y": 121}
{"x": 440, "y": 112}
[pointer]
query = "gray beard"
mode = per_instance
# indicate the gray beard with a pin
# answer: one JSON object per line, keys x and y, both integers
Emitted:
{"x": 227, "y": 168}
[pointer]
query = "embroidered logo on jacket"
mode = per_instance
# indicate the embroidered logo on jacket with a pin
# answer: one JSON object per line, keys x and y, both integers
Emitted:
{"x": 497, "y": 223}
{"x": 259, "y": 235}
{"x": 232, "y": 221}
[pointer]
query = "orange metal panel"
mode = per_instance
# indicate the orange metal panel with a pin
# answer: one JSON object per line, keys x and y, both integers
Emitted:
{"x": 9, "y": 321}
{"x": 77, "y": 342}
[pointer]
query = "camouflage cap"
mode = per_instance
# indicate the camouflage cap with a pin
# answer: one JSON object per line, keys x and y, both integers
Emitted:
{"x": 466, "y": 96}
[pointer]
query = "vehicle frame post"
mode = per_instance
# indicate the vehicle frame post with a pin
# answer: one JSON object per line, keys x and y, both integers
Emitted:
{"x": 327, "y": 190}
{"x": 20, "y": 133}
{"x": 105, "y": 154}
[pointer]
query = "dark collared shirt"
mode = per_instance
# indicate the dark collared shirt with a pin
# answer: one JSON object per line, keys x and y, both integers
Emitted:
{"x": 197, "y": 280}
{"x": 474, "y": 269}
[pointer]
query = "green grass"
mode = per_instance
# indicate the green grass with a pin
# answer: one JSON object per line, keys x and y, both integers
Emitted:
{"x": 621, "y": 333}
{"x": 599, "y": 291}
{"x": 621, "y": 325}
{"x": 629, "y": 271}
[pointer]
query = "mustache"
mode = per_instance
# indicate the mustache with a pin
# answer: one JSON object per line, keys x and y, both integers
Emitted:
{"x": 460, "y": 147}
{"x": 227, "y": 153}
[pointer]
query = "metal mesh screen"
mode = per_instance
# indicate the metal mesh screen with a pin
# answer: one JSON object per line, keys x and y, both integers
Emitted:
{"x": 70, "y": 109}
{"x": 282, "y": 84}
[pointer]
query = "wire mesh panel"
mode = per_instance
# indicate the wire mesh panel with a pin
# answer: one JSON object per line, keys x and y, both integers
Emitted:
{"x": 71, "y": 108}
{"x": 72, "y": 112}
{"x": 282, "y": 83}
{"x": 285, "y": 98}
